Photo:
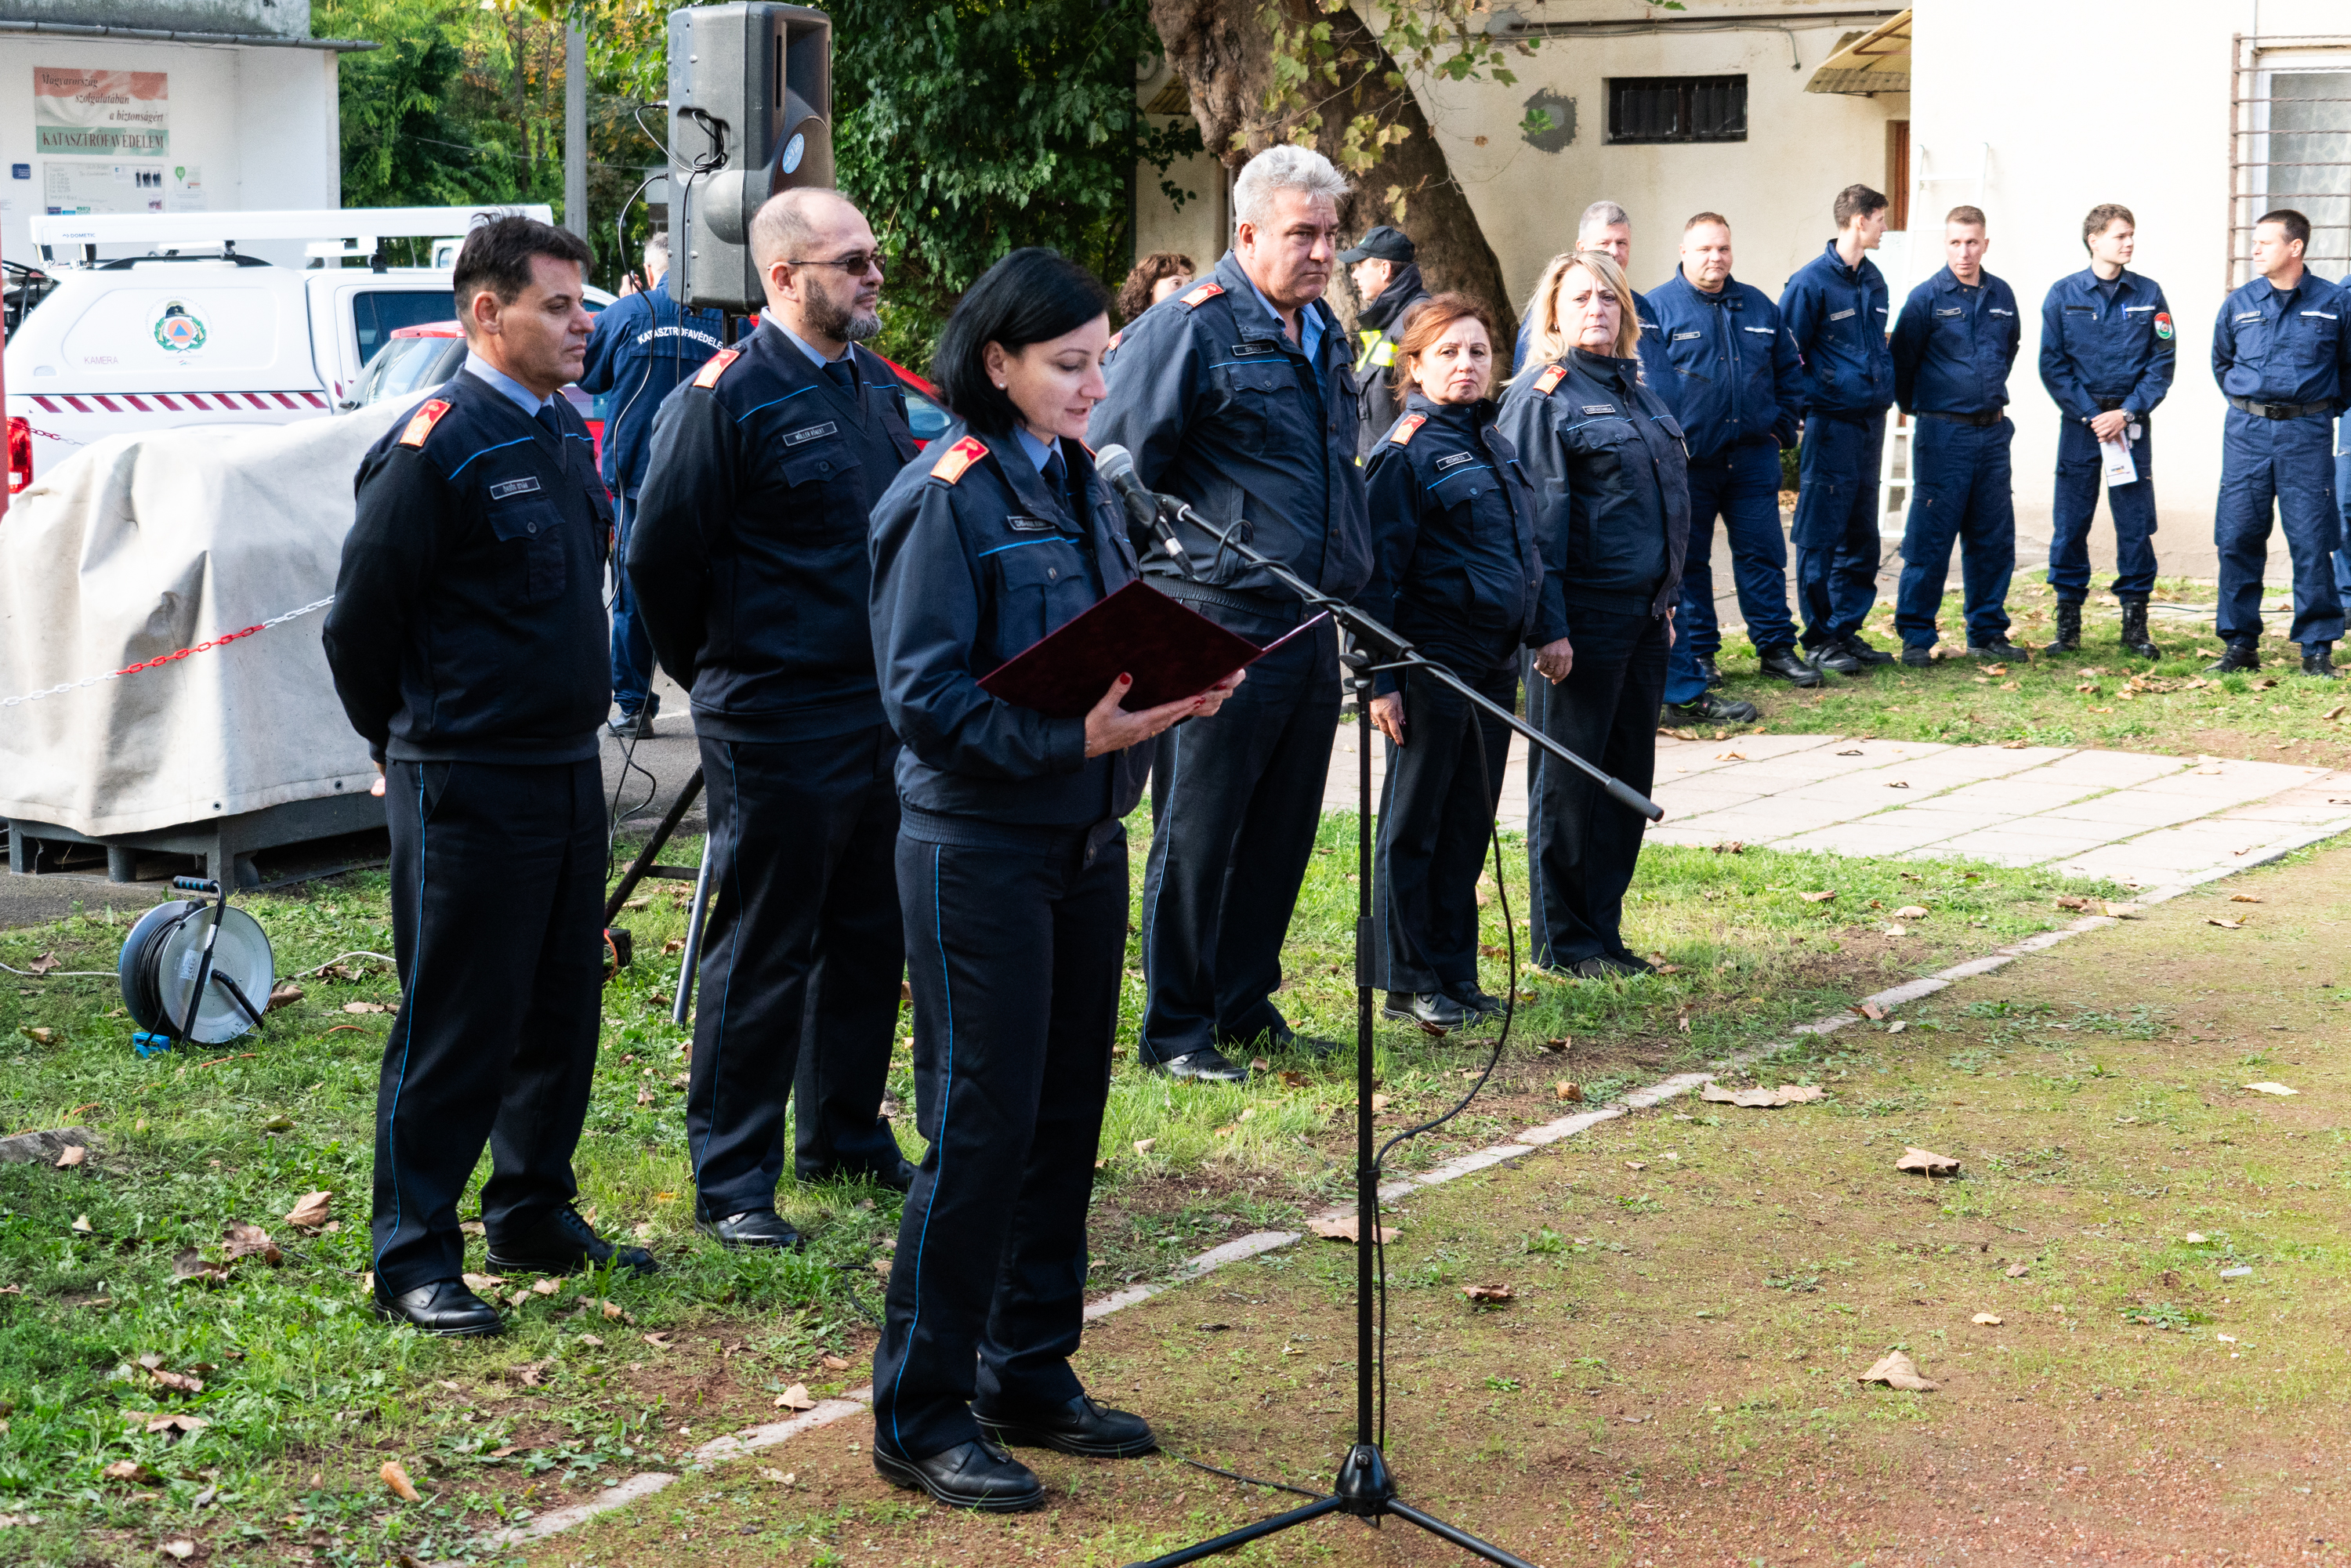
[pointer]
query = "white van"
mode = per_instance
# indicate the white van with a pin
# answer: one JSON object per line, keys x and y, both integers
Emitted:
{"x": 171, "y": 340}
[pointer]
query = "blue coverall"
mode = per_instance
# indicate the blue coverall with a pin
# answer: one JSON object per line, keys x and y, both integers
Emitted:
{"x": 1732, "y": 378}
{"x": 2104, "y": 345}
{"x": 1835, "y": 316}
{"x": 1953, "y": 346}
{"x": 2283, "y": 357}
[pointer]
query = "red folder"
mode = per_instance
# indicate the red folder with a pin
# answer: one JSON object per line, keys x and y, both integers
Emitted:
{"x": 1172, "y": 651}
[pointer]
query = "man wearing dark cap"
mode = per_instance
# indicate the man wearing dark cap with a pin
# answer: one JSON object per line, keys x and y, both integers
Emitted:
{"x": 1388, "y": 279}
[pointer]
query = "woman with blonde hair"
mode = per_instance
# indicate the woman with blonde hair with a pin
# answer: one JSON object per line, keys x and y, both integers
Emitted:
{"x": 1612, "y": 518}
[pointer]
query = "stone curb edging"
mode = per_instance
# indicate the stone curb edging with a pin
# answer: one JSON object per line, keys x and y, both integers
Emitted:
{"x": 738, "y": 1445}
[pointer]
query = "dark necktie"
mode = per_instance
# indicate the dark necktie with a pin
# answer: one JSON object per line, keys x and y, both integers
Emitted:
{"x": 548, "y": 422}
{"x": 843, "y": 372}
{"x": 1057, "y": 478}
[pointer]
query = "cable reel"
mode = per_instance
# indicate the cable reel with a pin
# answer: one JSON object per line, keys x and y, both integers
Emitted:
{"x": 195, "y": 972}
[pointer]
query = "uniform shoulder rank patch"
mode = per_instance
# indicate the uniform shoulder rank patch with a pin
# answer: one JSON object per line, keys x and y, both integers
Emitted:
{"x": 1406, "y": 428}
{"x": 421, "y": 423}
{"x": 2163, "y": 325}
{"x": 709, "y": 374}
{"x": 1115, "y": 337}
{"x": 959, "y": 456}
{"x": 1548, "y": 382}
{"x": 1202, "y": 295}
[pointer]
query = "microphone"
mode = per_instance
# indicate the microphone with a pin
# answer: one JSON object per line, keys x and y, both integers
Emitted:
{"x": 1115, "y": 464}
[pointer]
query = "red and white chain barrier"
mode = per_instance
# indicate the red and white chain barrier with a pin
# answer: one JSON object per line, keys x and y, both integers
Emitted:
{"x": 162, "y": 659}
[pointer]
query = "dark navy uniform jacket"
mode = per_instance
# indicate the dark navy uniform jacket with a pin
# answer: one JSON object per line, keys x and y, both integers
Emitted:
{"x": 644, "y": 344}
{"x": 974, "y": 559}
{"x": 2286, "y": 347}
{"x": 1731, "y": 375}
{"x": 747, "y": 550}
{"x": 1454, "y": 564}
{"x": 468, "y": 623}
{"x": 1835, "y": 315}
{"x": 2099, "y": 353}
{"x": 1220, "y": 408}
{"x": 1953, "y": 346}
{"x": 1612, "y": 487}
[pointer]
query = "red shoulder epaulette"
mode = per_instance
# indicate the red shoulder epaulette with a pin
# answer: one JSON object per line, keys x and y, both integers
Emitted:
{"x": 1115, "y": 337}
{"x": 959, "y": 456}
{"x": 709, "y": 373}
{"x": 1548, "y": 382}
{"x": 420, "y": 425}
{"x": 1406, "y": 428}
{"x": 1202, "y": 295}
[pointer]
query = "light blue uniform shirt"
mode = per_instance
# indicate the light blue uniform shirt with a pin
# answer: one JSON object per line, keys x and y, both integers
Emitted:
{"x": 1310, "y": 325}
{"x": 521, "y": 396}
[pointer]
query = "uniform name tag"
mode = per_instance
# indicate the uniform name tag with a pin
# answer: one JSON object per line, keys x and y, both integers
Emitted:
{"x": 1955, "y": 310}
{"x": 1455, "y": 461}
{"x": 514, "y": 487}
{"x": 1840, "y": 315}
{"x": 2321, "y": 315}
{"x": 1028, "y": 525}
{"x": 1765, "y": 330}
{"x": 813, "y": 432}
{"x": 2248, "y": 316}
{"x": 1998, "y": 311}
{"x": 1600, "y": 408}
{"x": 1244, "y": 350}
{"x": 1685, "y": 337}
{"x": 2127, "y": 310}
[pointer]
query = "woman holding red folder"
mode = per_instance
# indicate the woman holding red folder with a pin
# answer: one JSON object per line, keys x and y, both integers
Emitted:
{"x": 1012, "y": 875}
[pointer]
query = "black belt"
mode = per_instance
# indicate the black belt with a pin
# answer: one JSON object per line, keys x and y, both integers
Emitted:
{"x": 2109, "y": 404}
{"x": 2281, "y": 409}
{"x": 1980, "y": 421}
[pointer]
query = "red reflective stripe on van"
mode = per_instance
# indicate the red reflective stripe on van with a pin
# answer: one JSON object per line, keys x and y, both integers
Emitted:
{"x": 288, "y": 401}
{"x": 44, "y": 405}
{"x": 316, "y": 401}
{"x": 132, "y": 400}
{"x": 105, "y": 402}
{"x": 75, "y": 404}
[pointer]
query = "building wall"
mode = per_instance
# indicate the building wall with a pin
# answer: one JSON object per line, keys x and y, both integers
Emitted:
{"x": 258, "y": 126}
{"x": 2102, "y": 105}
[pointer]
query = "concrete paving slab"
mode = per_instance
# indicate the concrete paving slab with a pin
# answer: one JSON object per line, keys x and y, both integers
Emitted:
{"x": 2003, "y": 846}
{"x": 2019, "y": 794}
{"x": 2134, "y": 807}
{"x": 1879, "y": 835}
{"x": 2110, "y": 770}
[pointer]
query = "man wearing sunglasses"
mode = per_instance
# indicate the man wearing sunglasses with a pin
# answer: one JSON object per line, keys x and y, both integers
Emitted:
{"x": 748, "y": 560}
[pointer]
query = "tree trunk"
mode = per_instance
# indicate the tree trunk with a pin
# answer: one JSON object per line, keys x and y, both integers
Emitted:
{"x": 1226, "y": 60}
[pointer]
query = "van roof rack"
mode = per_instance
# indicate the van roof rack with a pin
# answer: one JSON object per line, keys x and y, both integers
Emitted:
{"x": 358, "y": 226}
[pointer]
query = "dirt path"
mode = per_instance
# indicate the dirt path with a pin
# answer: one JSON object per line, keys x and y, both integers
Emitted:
{"x": 1696, "y": 1290}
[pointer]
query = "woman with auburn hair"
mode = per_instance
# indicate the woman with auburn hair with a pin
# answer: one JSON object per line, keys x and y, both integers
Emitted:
{"x": 1609, "y": 467}
{"x": 1454, "y": 571}
{"x": 1154, "y": 277}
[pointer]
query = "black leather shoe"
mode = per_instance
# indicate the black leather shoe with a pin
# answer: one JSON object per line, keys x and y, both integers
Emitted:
{"x": 2067, "y": 638}
{"x": 1833, "y": 657}
{"x": 1710, "y": 671}
{"x": 1081, "y": 1427}
{"x": 444, "y": 1307}
{"x": 752, "y": 1227}
{"x": 1863, "y": 653}
{"x": 1708, "y": 708}
{"x": 1429, "y": 1010}
{"x": 1207, "y": 1065}
{"x": 2318, "y": 659}
{"x": 1481, "y": 1007}
{"x": 563, "y": 1243}
{"x": 1916, "y": 657}
{"x": 1782, "y": 664}
{"x": 2242, "y": 653}
{"x": 1998, "y": 649}
{"x": 969, "y": 1475}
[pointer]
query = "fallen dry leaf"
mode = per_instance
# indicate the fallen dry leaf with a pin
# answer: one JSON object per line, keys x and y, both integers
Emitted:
{"x": 1144, "y": 1145}
{"x": 1343, "y": 1227}
{"x": 1896, "y": 784}
{"x": 1568, "y": 1091}
{"x": 43, "y": 963}
{"x": 251, "y": 1241}
{"x": 1926, "y": 1163}
{"x": 2122, "y": 911}
{"x": 39, "y": 1035}
{"x": 365, "y": 1008}
{"x": 1562, "y": 1042}
{"x": 1637, "y": 1165}
{"x": 1762, "y": 1099}
{"x": 311, "y": 1212}
{"x": 1487, "y": 1295}
{"x": 479, "y": 1283}
{"x": 81, "y": 1223}
{"x": 2266, "y": 1088}
{"x": 659, "y": 1341}
{"x": 285, "y": 996}
{"x": 1730, "y": 756}
{"x": 1995, "y": 669}
{"x": 1379, "y": 1104}
{"x": 1988, "y": 1319}
{"x": 2244, "y": 898}
{"x": 2067, "y": 900}
{"x": 796, "y": 1397}
{"x": 397, "y": 1480}
{"x": 192, "y": 1265}
{"x": 1896, "y": 1370}
{"x": 2224, "y": 924}
{"x": 71, "y": 1156}
{"x": 1911, "y": 911}
{"x": 834, "y": 1363}
{"x": 179, "y": 1549}
{"x": 1872, "y": 1011}
{"x": 1820, "y": 897}
{"x": 131, "y": 1470}
{"x": 2018, "y": 1270}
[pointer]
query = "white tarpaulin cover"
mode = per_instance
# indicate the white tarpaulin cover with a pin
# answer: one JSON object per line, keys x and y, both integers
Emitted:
{"x": 144, "y": 543}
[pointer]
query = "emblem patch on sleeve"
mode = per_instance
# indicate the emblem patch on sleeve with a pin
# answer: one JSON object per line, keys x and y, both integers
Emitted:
{"x": 421, "y": 424}
{"x": 1548, "y": 382}
{"x": 2163, "y": 325}
{"x": 709, "y": 374}
{"x": 959, "y": 456}
{"x": 1406, "y": 428}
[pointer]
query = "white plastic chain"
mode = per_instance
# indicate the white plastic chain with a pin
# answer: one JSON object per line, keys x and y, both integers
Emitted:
{"x": 161, "y": 659}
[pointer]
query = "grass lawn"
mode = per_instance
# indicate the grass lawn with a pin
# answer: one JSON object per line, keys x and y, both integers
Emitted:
{"x": 2132, "y": 1301}
{"x": 304, "y": 1397}
{"x": 2096, "y": 696}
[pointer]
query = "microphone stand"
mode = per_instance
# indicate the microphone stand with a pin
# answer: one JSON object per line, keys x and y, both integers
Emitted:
{"x": 1365, "y": 1489}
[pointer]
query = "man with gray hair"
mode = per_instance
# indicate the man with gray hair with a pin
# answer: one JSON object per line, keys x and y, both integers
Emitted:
{"x": 749, "y": 561}
{"x": 1605, "y": 228}
{"x": 1238, "y": 398}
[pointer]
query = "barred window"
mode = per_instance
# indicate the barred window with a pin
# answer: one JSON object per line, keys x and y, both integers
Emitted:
{"x": 2291, "y": 147}
{"x": 1676, "y": 109}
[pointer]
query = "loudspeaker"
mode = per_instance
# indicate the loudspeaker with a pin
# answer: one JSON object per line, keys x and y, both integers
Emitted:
{"x": 751, "y": 96}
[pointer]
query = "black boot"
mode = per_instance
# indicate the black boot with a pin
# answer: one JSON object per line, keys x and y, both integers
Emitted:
{"x": 2069, "y": 627}
{"x": 2135, "y": 638}
{"x": 1782, "y": 664}
{"x": 2240, "y": 654}
{"x": 2318, "y": 659}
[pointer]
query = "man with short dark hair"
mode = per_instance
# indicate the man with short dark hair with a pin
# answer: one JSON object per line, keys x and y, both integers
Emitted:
{"x": 1607, "y": 229}
{"x": 1835, "y": 311}
{"x": 1954, "y": 345}
{"x": 750, "y": 563}
{"x": 2108, "y": 351}
{"x": 1388, "y": 281}
{"x": 467, "y": 645}
{"x": 2281, "y": 353}
{"x": 644, "y": 344}
{"x": 1734, "y": 381}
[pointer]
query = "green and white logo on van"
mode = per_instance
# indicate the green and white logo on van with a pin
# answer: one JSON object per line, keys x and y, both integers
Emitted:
{"x": 179, "y": 328}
